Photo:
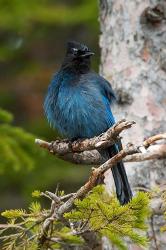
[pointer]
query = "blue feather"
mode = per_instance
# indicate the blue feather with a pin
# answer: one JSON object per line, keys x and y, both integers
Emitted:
{"x": 78, "y": 109}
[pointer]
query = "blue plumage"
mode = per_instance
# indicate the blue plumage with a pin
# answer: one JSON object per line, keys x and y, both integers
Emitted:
{"x": 78, "y": 109}
{"x": 78, "y": 105}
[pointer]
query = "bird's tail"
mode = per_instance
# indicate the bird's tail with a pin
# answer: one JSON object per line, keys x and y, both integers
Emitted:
{"x": 123, "y": 189}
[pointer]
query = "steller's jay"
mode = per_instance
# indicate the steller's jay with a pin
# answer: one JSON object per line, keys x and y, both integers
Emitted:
{"x": 78, "y": 105}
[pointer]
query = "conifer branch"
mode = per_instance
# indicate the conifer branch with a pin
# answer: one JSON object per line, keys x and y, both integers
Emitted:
{"x": 67, "y": 206}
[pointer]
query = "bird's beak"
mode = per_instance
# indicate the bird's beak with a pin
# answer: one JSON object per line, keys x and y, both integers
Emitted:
{"x": 87, "y": 54}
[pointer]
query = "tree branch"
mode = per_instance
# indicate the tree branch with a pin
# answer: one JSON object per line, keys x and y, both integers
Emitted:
{"x": 153, "y": 139}
{"x": 110, "y": 137}
{"x": 86, "y": 151}
{"x": 82, "y": 151}
{"x": 61, "y": 209}
{"x": 153, "y": 152}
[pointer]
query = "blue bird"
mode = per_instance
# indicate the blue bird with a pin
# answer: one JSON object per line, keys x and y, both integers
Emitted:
{"x": 78, "y": 105}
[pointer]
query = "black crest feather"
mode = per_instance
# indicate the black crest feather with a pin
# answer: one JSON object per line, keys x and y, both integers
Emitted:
{"x": 76, "y": 45}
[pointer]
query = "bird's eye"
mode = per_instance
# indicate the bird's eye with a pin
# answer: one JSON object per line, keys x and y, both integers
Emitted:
{"x": 74, "y": 50}
{"x": 86, "y": 50}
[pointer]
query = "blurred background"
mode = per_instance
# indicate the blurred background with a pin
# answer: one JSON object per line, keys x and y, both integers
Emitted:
{"x": 33, "y": 36}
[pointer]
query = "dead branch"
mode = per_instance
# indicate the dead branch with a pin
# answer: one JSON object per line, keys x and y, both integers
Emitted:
{"x": 93, "y": 157}
{"x": 154, "y": 152}
{"x": 153, "y": 139}
{"x": 110, "y": 137}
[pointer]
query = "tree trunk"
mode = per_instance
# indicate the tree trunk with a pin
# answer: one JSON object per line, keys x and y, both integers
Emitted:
{"x": 133, "y": 59}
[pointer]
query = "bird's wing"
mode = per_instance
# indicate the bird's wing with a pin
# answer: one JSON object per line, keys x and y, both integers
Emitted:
{"x": 108, "y": 97}
{"x": 110, "y": 117}
{"x": 106, "y": 89}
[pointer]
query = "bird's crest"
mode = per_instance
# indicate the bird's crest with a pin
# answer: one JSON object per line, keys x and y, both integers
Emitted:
{"x": 76, "y": 45}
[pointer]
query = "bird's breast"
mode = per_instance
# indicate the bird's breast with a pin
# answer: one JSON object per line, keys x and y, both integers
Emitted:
{"x": 79, "y": 111}
{"x": 75, "y": 107}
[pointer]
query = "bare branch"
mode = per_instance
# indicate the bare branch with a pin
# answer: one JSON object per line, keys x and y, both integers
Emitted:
{"x": 94, "y": 157}
{"x": 154, "y": 152}
{"x": 153, "y": 139}
{"x": 110, "y": 137}
{"x": 85, "y": 151}
{"x": 6, "y": 226}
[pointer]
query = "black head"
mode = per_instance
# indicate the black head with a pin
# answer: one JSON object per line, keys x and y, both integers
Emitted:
{"x": 77, "y": 56}
{"x": 78, "y": 50}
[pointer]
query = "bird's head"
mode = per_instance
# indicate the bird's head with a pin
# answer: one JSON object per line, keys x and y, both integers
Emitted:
{"x": 78, "y": 50}
{"x": 77, "y": 56}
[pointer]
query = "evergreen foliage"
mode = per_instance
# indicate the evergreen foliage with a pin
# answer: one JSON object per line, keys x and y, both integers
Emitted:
{"x": 25, "y": 167}
{"x": 104, "y": 214}
{"x": 17, "y": 149}
{"x": 22, "y": 229}
{"x": 98, "y": 212}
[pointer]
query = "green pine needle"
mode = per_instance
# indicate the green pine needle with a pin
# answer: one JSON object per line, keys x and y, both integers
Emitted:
{"x": 36, "y": 194}
{"x": 106, "y": 216}
{"x": 35, "y": 207}
{"x": 13, "y": 213}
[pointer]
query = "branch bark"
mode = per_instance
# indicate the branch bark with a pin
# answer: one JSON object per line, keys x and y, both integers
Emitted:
{"x": 86, "y": 151}
{"x": 110, "y": 137}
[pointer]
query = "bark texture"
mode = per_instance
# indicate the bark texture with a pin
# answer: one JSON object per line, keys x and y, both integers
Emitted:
{"x": 133, "y": 59}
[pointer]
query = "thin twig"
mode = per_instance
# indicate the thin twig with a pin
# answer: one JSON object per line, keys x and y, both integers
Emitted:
{"x": 153, "y": 139}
